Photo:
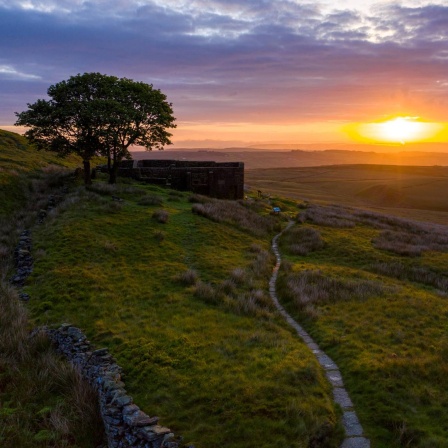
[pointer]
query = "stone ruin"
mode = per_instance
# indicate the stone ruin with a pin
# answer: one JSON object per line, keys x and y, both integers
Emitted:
{"x": 218, "y": 180}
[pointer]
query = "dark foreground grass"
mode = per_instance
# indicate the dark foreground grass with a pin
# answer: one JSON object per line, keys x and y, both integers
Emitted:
{"x": 218, "y": 366}
{"x": 382, "y": 317}
{"x": 43, "y": 401}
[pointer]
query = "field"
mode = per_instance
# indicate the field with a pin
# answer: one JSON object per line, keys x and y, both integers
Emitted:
{"x": 416, "y": 192}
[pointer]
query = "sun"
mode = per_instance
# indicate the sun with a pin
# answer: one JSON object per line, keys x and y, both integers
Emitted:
{"x": 397, "y": 130}
{"x": 401, "y": 130}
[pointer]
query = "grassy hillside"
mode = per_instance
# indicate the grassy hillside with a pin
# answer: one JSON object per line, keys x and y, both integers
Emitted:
{"x": 180, "y": 298}
{"x": 43, "y": 402}
{"x": 410, "y": 191}
{"x": 19, "y": 164}
{"x": 175, "y": 285}
{"x": 373, "y": 293}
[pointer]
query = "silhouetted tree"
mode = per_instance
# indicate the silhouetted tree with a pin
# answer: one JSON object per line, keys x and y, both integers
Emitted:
{"x": 137, "y": 115}
{"x": 94, "y": 114}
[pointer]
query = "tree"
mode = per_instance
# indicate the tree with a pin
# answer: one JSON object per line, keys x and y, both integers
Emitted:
{"x": 137, "y": 115}
{"x": 94, "y": 114}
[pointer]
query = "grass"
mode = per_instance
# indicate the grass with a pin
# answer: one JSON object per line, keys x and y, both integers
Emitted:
{"x": 186, "y": 315}
{"x": 43, "y": 401}
{"x": 381, "y": 315}
{"x": 399, "y": 236}
{"x": 244, "y": 292}
{"x": 20, "y": 165}
{"x": 183, "y": 306}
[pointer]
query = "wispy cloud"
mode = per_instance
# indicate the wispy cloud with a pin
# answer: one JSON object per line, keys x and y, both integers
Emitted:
{"x": 260, "y": 61}
{"x": 9, "y": 72}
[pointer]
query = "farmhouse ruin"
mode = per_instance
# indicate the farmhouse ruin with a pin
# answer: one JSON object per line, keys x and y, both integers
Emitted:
{"x": 218, "y": 180}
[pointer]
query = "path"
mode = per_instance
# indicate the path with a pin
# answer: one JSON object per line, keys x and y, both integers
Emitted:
{"x": 354, "y": 434}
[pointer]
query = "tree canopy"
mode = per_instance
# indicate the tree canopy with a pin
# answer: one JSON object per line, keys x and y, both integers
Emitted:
{"x": 95, "y": 114}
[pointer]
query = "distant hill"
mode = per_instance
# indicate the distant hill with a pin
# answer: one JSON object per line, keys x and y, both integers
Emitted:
{"x": 408, "y": 147}
{"x": 254, "y": 159}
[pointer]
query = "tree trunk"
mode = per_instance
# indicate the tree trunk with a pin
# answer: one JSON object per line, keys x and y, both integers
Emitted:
{"x": 87, "y": 178}
{"x": 109, "y": 163}
{"x": 113, "y": 173}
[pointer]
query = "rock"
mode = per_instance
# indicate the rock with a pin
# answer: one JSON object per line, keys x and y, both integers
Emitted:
{"x": 159, "y": 430}
{"x": 100, "y": 352}
{"x": 130, "y": 409}
{"x": 122, "y": 401}
{"x": 168, "y": 437}
{"x": 111, "y": 420}
{"x": 139, "y": 418}
{"x": 112, "y": 411}
{"x": 170, "y": 445}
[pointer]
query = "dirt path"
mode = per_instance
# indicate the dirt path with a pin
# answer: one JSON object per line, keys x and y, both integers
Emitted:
{"x": 354, "y": 434}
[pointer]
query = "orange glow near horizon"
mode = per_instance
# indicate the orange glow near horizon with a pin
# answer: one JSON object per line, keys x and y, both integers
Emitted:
{"x": 398, "y": 130}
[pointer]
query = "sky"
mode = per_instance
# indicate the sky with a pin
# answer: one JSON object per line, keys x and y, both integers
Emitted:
{"x": 239, "y": 72}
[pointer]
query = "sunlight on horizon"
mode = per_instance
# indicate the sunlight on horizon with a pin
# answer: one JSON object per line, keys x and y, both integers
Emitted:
{"x": 398, "y": 130}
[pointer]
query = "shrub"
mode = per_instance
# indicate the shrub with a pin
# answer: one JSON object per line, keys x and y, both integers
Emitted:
{"x": 228, "y": 287}
{"x": 150, "y": 199}
{"x": 102, "y": 188}
{"x": 206, "y": 292}
{"x": 238, "y": 276}
{"x": 187, "y": 278}
{"x": 302, "y": 240}
{"x": 110, "y": 246}
{"x": 418, "y": 274}
{"x": 253, "y": 303}
{"x": 233, "y": 213}
{"x": 329, "y": 216}
{"x": 106, "y": 189}
{"x": 262, "y": 265}
{"x": 401, "y": 236}
{"x": 161, "y": 216}
{"x": 112, "y": 207}
{"x": 199, "y": 199}
{"x": 159, "y": 235}
{"x": 309, "y": 288}
{"x": 412, "y": 242}
{"x": 175, "y": 196}
{"x": 255, "y": 248}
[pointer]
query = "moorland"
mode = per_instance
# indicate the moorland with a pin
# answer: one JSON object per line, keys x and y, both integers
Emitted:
{"x": 176, "y": 286}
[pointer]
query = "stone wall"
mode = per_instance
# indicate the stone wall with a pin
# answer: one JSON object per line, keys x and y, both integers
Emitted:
{"x": 125, "y": 424}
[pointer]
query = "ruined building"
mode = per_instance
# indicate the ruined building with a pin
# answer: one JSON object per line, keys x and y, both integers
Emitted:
{"x": 218, "y": 180}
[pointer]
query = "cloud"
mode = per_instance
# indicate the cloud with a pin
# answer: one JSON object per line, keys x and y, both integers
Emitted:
{"x": 255, "y": 60}
{"x": 9, "y": 72}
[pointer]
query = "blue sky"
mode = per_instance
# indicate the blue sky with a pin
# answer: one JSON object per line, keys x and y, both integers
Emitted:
{"x": 239, "y": 71}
